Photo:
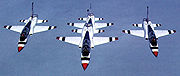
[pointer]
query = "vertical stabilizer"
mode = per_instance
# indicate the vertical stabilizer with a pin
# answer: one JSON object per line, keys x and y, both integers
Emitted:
{"x": 32, "y": 8}
{"x": 88, "y": 10}
{"x": 147, "y": 13}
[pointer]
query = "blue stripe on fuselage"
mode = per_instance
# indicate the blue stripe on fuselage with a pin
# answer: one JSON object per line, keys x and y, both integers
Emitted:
{"x": 86, "y": 45}
{"x": 25, "y": 31}
{"x": 152, "y": 36}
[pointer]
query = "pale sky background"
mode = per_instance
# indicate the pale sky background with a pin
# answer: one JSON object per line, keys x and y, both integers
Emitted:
{"x": 129, "y": 56}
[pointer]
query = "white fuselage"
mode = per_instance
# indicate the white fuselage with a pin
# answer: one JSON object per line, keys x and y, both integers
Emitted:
{"x": 88, "y": 27}
{"x": 145, "y": 27}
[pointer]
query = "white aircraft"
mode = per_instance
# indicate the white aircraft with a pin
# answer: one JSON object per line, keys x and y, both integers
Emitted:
{"x": 149, "y": 33}
{"x": 29, "y": 29}
{"x": 87, "y": 40}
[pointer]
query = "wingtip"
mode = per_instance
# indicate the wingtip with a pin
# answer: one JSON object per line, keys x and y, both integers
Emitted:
{"x": 5, "y": 26}
{"x": 72, "y": 30}
{"x": 103, "y": 30}
{"x": 57, "y": 38}
{"x": 123, "y": 31}
{"x": 55, "y": 27}
{"x": 112, "y": 23}
{"x": 116, "y": 38}
{"x": 174, "y": 31}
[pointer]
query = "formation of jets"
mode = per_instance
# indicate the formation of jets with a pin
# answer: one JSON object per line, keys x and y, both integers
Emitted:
{"x": 87, "y": 40}
{"x": 87, "y": 29}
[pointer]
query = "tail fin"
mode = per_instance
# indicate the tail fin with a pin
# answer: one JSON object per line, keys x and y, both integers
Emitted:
{"x": 147, "y": 13}
{"x": 88, "y": 10}
{"x": 32, "y": 9}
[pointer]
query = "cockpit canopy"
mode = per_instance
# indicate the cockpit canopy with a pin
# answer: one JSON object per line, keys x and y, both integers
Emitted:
{"x": 34, "y": 15}
{"x": 147, "y": 20}
{"x": 90, "y": 14}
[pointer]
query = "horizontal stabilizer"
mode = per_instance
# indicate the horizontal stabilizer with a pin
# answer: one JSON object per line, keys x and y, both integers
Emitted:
{"x": 72, "y": 40}
{"x": 14, "y": 28}
{"x": 139, "y": 33}
{"x": 160, "y": 33}
{"x": 103, "y": 40}
{"x": 42, "y": 21}
{"x": 137, "y": 25}
{"x": 84, "y": 19}
{"x": 101, "y": 25}
{"x": 79, "y": 25}
{"x": 24, "y": 21}
{"x": 156, "y": 25}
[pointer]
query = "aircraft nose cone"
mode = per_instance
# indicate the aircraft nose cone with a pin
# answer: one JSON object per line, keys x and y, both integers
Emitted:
{"x": 155, "y": 53}
{"x": 84, "y": 65}
{"x": 20, "y": 48}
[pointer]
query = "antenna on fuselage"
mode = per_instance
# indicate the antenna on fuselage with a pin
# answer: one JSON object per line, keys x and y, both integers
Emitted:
{"x": 147, "y": 13}
{"x": 32, "y": 9}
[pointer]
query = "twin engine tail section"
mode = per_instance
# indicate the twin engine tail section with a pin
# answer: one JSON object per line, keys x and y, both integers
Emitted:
{"x": 21, "y": 44}
{"x": 154, "y": 49}
{"x": 85, "y": 61}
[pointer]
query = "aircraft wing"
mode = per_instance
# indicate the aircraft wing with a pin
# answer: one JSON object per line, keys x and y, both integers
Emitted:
{"x": 79, "y": 25}
{"x": 101, "y": 25}
{"x": 71, "y": 40}
{"x": 160, "y": 33}
{"x": 42, "y": 21}
{"x": 139, "y": 33}
{"x": 103, "y": 40}
{"x": 14, "y": 28}
{"x": 43, "y": 28}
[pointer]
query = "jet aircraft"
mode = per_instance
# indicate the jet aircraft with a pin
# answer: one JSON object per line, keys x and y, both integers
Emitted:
{"x": 87, "y": 41}
{"x": 149, "y": 33}
{"x": 29, "y": 28}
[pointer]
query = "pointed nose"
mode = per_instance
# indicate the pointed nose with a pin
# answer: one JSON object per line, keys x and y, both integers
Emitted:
{"x": 20, "y": 48}
{"x": 155, "y": 53}
{"x": 84, "y": 65}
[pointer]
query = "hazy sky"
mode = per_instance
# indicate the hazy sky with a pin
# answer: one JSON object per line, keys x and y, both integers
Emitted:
{"x": 129, "y": 56}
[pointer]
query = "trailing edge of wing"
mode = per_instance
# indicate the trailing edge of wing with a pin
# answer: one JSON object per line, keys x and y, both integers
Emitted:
{"x": 14, "y": 28}
{"x": 160, "y": 33}
{"x": 43, "y": 28}
{"x": 72, "y": 40}
{"x": 139, "y": 33}
{"x": 103, "y": 40}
